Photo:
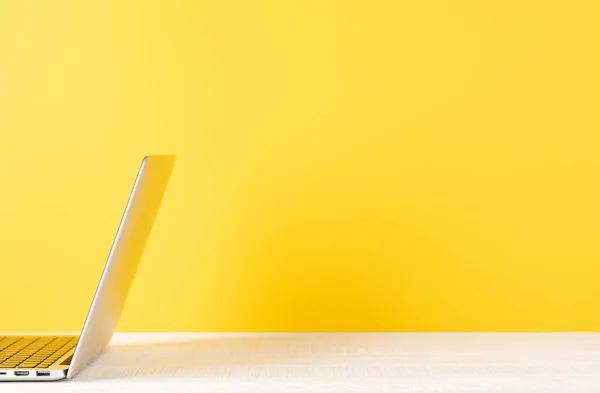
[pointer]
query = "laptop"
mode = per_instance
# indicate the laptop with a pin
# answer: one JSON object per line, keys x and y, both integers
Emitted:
{"x": 55, "y": 357}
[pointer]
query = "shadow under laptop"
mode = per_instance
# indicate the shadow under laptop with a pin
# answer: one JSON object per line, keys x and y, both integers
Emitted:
{"x": 325, "y": 357}
{"x": 215, "y": 356}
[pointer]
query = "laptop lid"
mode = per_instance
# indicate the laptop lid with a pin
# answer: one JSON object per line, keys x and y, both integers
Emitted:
{"x": 125, "y": 254}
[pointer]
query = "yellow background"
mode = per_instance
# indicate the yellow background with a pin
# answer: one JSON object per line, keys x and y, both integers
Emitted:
{"x": 372, "y": 165}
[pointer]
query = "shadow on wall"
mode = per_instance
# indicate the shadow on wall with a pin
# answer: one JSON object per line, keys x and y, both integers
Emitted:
{"x": 332, "y": 260}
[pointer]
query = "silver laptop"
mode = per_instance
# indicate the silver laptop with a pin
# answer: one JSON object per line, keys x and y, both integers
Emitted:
{"x": 51, "y": 357}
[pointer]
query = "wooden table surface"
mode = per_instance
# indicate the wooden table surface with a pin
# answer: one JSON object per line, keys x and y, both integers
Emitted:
{"x": 339, "y": 362}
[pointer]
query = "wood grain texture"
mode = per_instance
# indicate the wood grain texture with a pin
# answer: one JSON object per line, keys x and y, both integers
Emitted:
{"x": 353, "y": 362}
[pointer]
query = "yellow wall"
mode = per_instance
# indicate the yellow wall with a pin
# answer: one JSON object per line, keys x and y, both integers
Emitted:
{"x": 399, "y": 165}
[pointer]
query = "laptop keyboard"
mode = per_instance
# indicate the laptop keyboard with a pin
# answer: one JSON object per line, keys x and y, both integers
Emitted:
{"x": 34, "y": 351}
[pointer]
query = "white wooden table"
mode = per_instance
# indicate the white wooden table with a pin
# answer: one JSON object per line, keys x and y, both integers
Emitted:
{"x": 356, "y": 362}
